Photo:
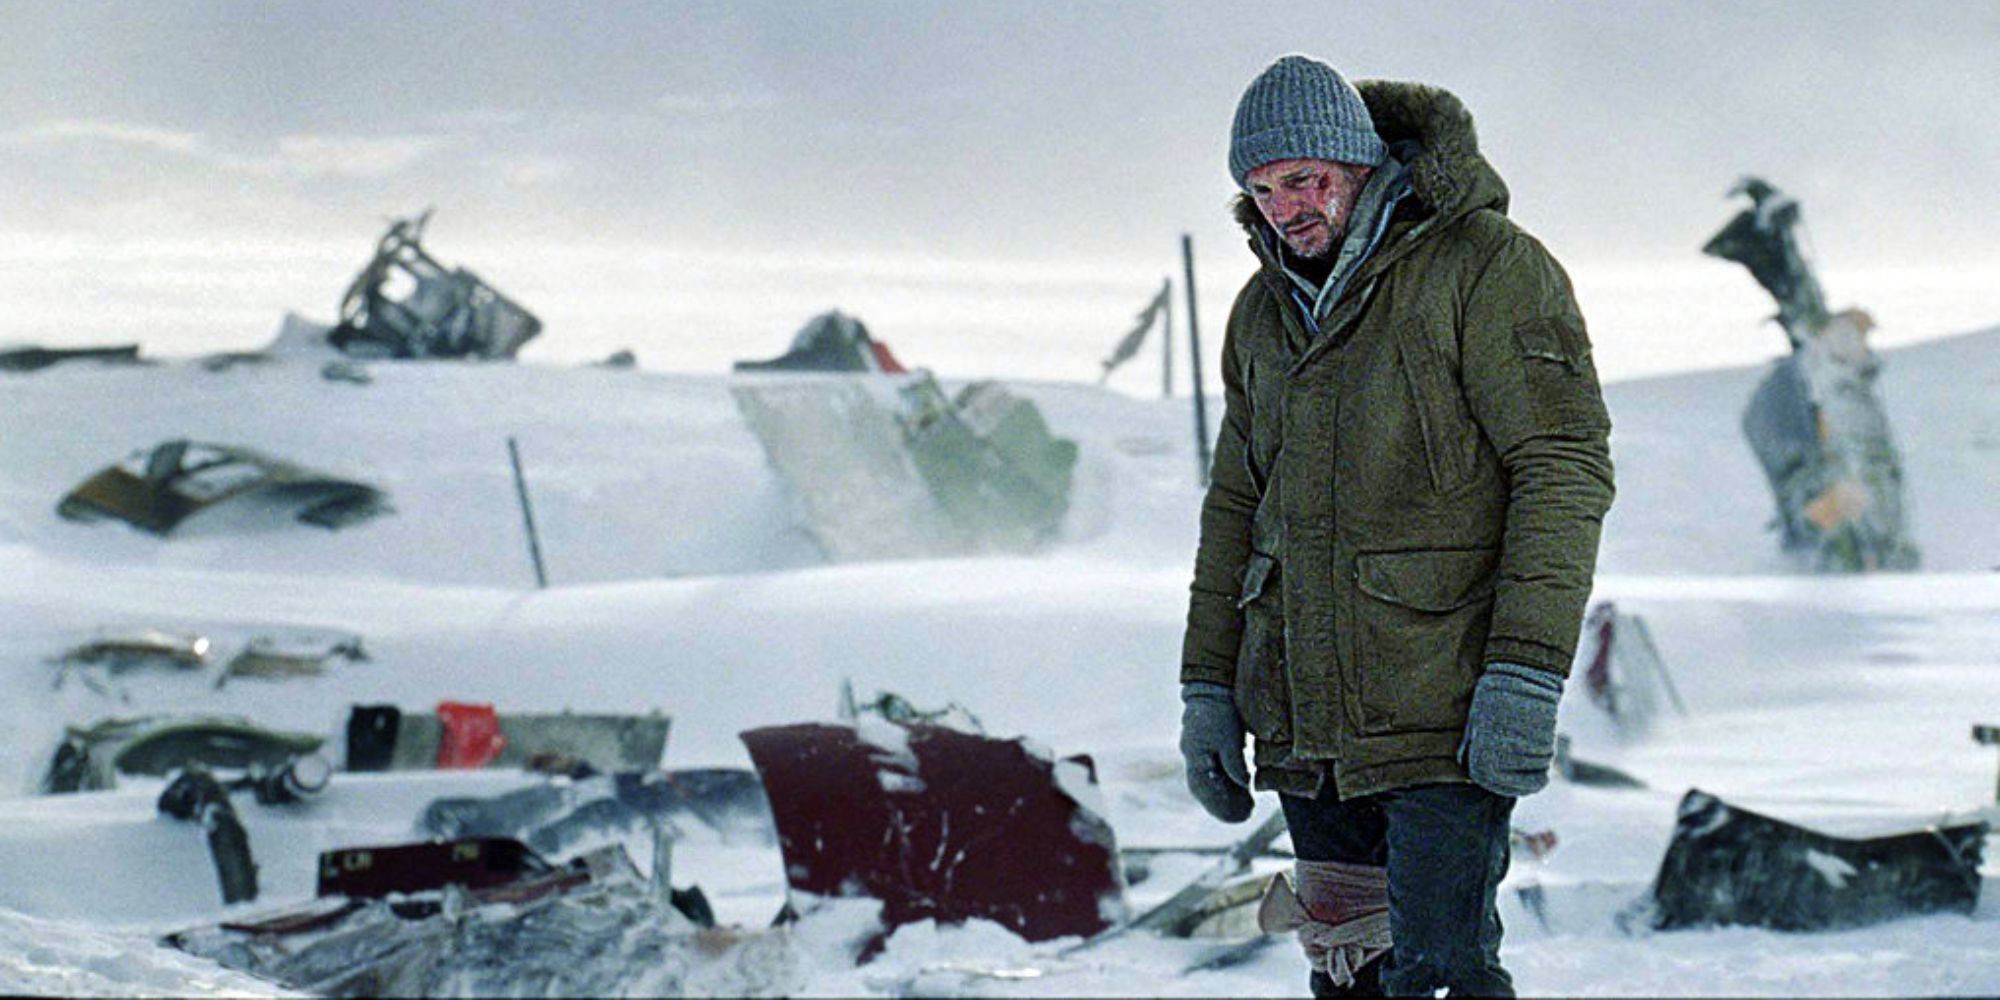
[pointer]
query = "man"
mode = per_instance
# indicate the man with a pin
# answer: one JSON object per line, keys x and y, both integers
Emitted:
{"x": 1399, "y": 536}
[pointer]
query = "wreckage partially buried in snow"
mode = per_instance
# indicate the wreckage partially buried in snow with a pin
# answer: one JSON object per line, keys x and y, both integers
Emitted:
{"x": 466, "y": 735}
{"x": 405, "y": 304}
{"x": 155, "y": 489}
{"x": 1623, "y": 673}
{"x": 941, "y": 825}
{"x": 557, "y": 815}
{"x": 830, "y": 342}
{"x": 35, "y": 357}
{"x": 1816, "y": 422}
{"x": 1729, "y": 866}
{"x": 488, "y": 917}
{"x": 90, "y": 758}
{"x": 895, "y": 469}
{"x": 932, "y": 822}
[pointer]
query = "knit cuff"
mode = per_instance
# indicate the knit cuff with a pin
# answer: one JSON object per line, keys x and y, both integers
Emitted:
{"x": 1530, "y": 681}
{"x": 1204, "y": 691}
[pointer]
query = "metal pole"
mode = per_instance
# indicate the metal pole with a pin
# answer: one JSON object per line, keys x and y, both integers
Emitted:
{"x": 527, "y": 514}
{"x": 1194, "y": 363}
{"x": 1167, "y": 342}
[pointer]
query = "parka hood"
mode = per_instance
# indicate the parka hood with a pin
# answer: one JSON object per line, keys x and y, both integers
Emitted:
{"x": 1449, "y": 177}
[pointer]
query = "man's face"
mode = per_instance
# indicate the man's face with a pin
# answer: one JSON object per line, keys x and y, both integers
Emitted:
{"x": 1309, "y": 202}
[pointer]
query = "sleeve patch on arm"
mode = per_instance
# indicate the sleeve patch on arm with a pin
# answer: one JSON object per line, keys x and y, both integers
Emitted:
{"x": 1562, "y": 384}
{"x": 1554, "y": 338}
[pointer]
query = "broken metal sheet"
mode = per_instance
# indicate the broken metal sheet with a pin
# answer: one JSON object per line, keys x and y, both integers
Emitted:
{"x": 30, "y": 357}
{"x": 1177, "y": 913}
{"x": 841, "y": 453}
{"x": 592, "y": 927}
{"x": 157, "y": 489}
{"x": 279, "y": 655}
{"x": 1229, "y": 912}
{"x": 893, "y": 469}
{"x": 1623, "y": 673}
{"x": 100, "y": 662}
{"x": 90, "y": 758}
{"x": 556, "y": 816}
{"x": 386, "y": 738}
{"x": 118, "y": 651}
{"x": 940, "y": 824}
{"x": 471, "y": 862}
{"x": 1816, "y": 422}
{"x": 1727, "y": 866}
{"x": 404, "y": 304}
{"x": 990, "y": 461}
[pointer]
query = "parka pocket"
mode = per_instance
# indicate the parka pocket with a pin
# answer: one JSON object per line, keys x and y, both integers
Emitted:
{"x": 1423, "y": 618}
{"x": 1263, "y": 692}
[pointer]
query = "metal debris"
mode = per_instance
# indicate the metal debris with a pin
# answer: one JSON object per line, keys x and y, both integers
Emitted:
{"x": 156, "y": 489}
{"x": 1816, "y": 422}
{"x": 893, "y": 468}
{"x": 33, "y": 357}
{"x": 386, "y": 738}
{"x": 405, "y": 304}
{"x": 90, "y": 758}
{"x": 283, "y": 655}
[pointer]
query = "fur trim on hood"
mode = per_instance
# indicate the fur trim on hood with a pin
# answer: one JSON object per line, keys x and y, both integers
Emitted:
{"x": 1447, "y": 175}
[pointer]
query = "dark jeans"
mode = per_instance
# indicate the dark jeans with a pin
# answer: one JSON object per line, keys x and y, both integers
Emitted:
{"x": 1445, "y": 846}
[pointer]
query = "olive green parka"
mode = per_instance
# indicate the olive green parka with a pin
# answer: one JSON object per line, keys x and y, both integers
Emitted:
{"x": 1415, "y": 494}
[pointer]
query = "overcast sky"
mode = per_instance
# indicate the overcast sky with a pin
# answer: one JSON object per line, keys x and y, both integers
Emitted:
{"x": 994, "y": 186}
{"x": 1010, "y": 130}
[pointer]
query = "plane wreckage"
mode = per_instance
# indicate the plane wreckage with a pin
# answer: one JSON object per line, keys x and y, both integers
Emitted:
{"x": 405, "y": 304}
{"x": 891, "y": 467}
{"x": 156, "y": 489}
{"x": 919, "y": 814}
{"x": 1816, "y": 421}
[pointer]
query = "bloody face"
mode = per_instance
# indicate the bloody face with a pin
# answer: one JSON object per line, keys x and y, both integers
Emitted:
{"x": 1309, "y": 202}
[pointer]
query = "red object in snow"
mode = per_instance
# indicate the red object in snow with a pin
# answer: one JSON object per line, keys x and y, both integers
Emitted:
{"x": 1597, "y": 676}
{"x": 472, "y": 736}
{"x": 884, "y": 360}
{"x": 949, "y": 826}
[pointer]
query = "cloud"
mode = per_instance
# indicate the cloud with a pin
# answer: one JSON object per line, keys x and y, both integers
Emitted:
{"x": 533, "y": 171}
{"x": 50, "y": 133}
{"x": 345, "y": 155}
{"x": 293, "y": 156}
{"x": 703, "y": 105}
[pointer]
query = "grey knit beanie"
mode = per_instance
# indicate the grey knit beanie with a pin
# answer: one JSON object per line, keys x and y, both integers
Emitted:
{"x": 1301, "y": 108}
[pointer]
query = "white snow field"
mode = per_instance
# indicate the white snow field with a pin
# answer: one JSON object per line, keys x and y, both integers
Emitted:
{"x": 680, "y": 582}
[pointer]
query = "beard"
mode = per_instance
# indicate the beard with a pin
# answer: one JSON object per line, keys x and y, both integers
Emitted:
{"x": 1322, "y": 247}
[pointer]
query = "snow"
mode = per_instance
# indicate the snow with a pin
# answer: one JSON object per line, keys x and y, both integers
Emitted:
{"x": 61, "y": 958}
{"x": 680, "y": 583}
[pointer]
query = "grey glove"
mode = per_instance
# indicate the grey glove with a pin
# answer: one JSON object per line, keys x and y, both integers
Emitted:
{"x": 1510, "y": 733}
{"x": 1212, "y": 743}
